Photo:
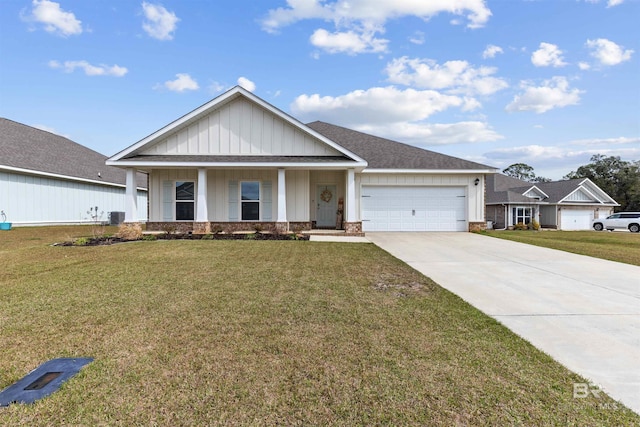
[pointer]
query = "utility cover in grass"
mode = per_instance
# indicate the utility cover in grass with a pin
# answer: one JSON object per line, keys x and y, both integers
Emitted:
{"x": 42, "y": 381}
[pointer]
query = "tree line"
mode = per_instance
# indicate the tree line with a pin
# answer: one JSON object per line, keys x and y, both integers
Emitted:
{"x": 618, "y": 178}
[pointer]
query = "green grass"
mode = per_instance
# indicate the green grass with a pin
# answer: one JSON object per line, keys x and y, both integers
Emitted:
{"x": 614, "y": 246}
{"x": 264, "y": 333}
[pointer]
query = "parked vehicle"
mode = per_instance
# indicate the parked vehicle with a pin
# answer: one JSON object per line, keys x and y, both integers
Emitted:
{"x": 621, "y": 220}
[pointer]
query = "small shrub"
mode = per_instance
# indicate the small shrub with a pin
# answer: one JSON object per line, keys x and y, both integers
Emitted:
{"x": 216, "y": 229}
{"x": 129, "y": 231}
{"x": 520, "y": 226}
{"x": 149, "y": 237}
{"x": 250, "y": 236}
{"x": 535, "y": 225}
{"x": 207, "y": 236}
{"x": 257, "y": 228}
{"x": 168, "y": 228}
{"x": 81, "y": 241}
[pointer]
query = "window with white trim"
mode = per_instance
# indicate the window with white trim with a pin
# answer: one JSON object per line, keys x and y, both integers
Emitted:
{"x": 250, "y": 200}
{"x": 522, "y": 214}
{"x": 185, "y": 200}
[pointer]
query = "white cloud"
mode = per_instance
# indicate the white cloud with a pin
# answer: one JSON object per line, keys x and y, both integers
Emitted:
{"x": 358, "y": 21}
{"x": 491, "y": 51}
{"x": 215, "y": 88}
{"x": 417, "y": 38}
{"x": 375, "y": 105}
{"x": 426, "y": 134}
{"x": 621, "y": 140}
{"x": 610, "y": 3}
{"x": 584, "y": 66}
{"x": 160, "y": 23}
{"x": 548, "y": 55}
{"x": 607, "y": 52}
{"x": 55, "y": 20}
{"x": 182, "y": 83}
{"x": 456, "y": 77}
{"x": 397, "y": 114}
{"x": 90, "y": 70}
{"x": 349, "y": 42}
{"x": 247, "y": 84}
{"x": 554, "y": 93}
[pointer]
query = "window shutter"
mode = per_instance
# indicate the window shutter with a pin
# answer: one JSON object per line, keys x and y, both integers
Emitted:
{"x": 167, "y": 201}
{"x": 266, "y": 201}
{"x": 233, "y": 200}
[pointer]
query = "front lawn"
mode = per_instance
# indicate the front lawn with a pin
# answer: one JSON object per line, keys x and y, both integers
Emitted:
{"x": 618, "y": 246}
{"x": 264, "y": 333}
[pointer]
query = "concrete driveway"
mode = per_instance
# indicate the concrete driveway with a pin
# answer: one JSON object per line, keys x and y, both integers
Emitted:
{"x": 583, "y": 311}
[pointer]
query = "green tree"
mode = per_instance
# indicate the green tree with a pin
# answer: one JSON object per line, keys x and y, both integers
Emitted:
{"x": 618, "y": 178}
{"x": 524, "y": 172}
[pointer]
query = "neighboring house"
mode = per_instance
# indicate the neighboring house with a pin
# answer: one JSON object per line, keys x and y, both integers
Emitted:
{"x": 48, "y": 179}
{"x": 238, "y": 161}
{"x": 565, "y": 205}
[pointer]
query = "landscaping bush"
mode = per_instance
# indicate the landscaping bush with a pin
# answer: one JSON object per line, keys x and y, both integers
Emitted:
{"x": 129, "y": 231}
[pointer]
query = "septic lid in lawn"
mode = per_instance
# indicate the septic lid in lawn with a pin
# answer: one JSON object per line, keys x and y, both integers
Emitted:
{"x": 42, "y": 381}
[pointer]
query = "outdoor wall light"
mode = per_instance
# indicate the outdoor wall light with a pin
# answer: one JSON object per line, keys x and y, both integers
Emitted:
{"x": 477, "y": 181}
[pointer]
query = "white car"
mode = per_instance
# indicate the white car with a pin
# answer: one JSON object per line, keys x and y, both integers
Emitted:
{"x": 621, "y": 220}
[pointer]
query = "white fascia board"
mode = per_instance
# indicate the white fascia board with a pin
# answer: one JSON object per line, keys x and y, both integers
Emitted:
{"x": 65, "y": 177}
{"x": 432, "y": 171}
{"x": 220, "y": 100}
{"x": 246, "y": 165}
{"x": 586, "y": 183}
{"x": 533, "y": 187}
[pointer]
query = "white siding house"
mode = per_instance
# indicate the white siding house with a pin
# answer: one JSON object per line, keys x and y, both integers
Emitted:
{"x": 237, "y": 161}
{"x": 47, "y": 179}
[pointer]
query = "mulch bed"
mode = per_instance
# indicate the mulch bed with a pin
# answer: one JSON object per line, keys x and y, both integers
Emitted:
{"x": 104, "y": 241}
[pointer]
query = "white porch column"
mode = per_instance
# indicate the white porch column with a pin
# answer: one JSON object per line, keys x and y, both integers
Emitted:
{"x": 351, "y": 196}
{"x": 202, "y": 214}
{"x": 282, "y": 197}
{"x": 131, "y": 197}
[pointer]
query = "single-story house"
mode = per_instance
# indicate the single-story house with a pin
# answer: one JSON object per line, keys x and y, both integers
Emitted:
{"x": 564, "y": 205}
{"x": 48, "y": 179}
{"x": 238, "y": 162}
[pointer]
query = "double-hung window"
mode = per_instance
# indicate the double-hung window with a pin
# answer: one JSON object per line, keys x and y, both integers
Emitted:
{"x": 185, "y": 200}
{"x": 250, "y": 200}
{"x": 522, "y": 215}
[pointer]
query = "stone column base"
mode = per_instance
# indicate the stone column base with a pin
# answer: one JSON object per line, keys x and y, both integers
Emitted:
{"x": 352, "y": 227}
{"x": 282, "y": 227}
{"x": 201, "y": 227}
{"x": 477, "y": 226}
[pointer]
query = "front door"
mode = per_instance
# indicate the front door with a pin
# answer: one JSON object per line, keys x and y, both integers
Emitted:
{"x": 326, "y": 202}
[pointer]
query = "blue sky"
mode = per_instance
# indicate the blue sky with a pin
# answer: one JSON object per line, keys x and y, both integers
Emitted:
{"x": 548, "y": 83}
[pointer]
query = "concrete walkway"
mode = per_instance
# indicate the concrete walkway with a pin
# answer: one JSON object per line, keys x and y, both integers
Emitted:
{"x": 583, "y": 311}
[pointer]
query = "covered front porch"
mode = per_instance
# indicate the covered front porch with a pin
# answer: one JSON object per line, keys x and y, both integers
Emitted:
{"x": 208, "y": 200}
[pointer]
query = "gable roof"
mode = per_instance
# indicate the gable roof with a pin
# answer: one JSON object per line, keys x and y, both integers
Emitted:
{"x": 135, "y": 154}
{"x": 26, "y": 149}
{"x": 385, "y": 154}
{"x": 503, "y": 189}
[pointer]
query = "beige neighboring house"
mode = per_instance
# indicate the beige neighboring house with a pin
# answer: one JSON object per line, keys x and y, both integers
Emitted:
{"x": 564, "y": 205}
{"x": 238, "y": 161}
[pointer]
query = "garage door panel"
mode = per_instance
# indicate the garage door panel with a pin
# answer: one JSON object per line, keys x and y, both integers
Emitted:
{"x": 417, "y": 208}
{"x": 576, "y": 219}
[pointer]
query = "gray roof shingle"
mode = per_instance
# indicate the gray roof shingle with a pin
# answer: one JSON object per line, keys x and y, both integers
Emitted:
{"x": 26, "y": 147}
{"x": 382, "y": 153}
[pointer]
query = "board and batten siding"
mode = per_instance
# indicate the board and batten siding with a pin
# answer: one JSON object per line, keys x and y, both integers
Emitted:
{"x": 37, "y": 200}
{"x": 475, "y": 193}
{"x": 241, "y": 128}
{"x": 297, "y": 186}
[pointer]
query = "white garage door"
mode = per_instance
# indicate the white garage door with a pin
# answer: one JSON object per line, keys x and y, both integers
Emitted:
{"x": 576, "y": 220}
{"x": 386, "y": 208}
